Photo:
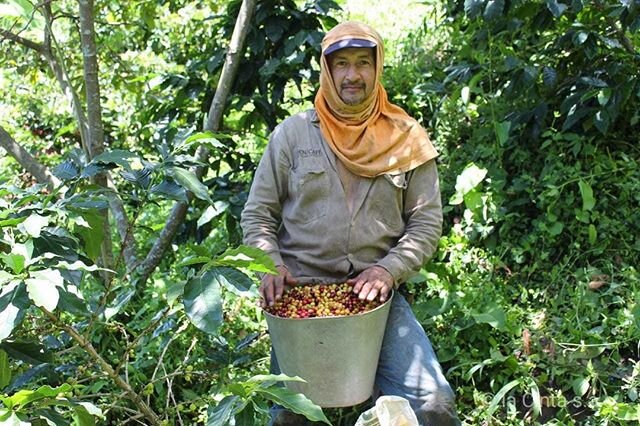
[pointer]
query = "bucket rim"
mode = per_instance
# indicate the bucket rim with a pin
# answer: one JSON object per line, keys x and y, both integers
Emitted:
{"x": 392, "y": 294}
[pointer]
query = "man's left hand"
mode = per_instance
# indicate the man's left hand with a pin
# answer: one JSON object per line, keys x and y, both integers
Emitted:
{"x": 372, "y": 282}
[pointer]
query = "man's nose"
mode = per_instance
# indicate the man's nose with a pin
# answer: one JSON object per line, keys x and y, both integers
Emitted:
{"x": 352, "y": 73}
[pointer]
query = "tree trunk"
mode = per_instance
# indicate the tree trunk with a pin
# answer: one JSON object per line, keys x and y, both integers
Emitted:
{"x": 95, "y": 143}
{"x": 227, "y": 77}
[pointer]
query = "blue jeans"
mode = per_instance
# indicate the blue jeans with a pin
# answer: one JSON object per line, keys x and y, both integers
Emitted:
{"x": 407, "y": 367}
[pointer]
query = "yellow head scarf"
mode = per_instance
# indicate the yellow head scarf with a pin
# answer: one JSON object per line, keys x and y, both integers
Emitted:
{"x": 374, "y": 137}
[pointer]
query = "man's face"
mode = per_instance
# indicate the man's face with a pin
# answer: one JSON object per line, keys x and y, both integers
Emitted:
{"x": 353, "y": 70}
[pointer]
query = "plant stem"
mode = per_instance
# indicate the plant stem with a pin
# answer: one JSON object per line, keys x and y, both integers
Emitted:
{"x": 148, "y": 413}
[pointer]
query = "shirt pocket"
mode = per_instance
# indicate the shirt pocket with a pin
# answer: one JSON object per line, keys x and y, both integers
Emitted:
{"x": 389, "y": 201}
{"x": 309, "y": 192}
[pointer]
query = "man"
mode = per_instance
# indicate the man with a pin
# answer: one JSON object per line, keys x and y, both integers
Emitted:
{"x": 349, "y": 192}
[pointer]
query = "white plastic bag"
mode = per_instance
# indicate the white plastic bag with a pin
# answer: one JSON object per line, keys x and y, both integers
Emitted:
{"x": 389, "y": 411}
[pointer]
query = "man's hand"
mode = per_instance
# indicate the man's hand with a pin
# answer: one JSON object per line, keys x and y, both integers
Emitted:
{"x": 372, "y": 282}
{"x": 272, "y": 286}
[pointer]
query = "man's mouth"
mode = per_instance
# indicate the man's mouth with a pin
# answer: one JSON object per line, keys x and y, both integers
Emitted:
{"x": 352, "y": 88}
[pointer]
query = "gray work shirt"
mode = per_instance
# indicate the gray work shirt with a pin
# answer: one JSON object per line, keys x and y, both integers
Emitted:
{"x": 298, "y": 212}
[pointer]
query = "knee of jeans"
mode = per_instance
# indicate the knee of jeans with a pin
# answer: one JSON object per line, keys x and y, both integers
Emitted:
{"x": 438, "y": 408}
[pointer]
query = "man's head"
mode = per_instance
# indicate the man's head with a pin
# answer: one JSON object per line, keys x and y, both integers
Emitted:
{"x": 353, "y": 70}
{"x": 351, "y": 64}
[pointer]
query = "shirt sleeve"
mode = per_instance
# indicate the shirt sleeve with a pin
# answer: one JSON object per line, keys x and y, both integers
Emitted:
{"x": 423, "y": 216}
{"x": 262, "y": 214}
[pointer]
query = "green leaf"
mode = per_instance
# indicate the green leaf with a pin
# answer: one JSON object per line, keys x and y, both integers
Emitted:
{"x": 271, "y": 379}
{"x": 82, "y": 416}
{"x": 535, "y": 397}
{"x": 14, "y": 261}
{"x": 222, "y": 413}
{"x": 193, "y": 260}
{"x": 29, "y": 352}
{"x": 556, "y": 9}
{"x": 33, "y": 225}
{"x": 42, "y": 287}
{"x": 493, "y": 9}
{"x": 593, "y": 234}
{"x": 25, "y": 397}
{"x": 203, "y": 138}
{"x": 170, "y": 190}
{"x": 601, "y": 121}
{"x": 122, "y": 299}
{"x": 12, "y": 419}
{"x": 5, "y": 371}
{"x": 502, "y": 131}
{"x": 234, "y": 280}
{"x": 473, "y": 8}
{"x": 117, "y": 156}
{"x": 549, "y": 76}
{"x": 499, "y": 397}
{"x": 555, "y": 228}
{"x": 250, "y": 258}
{"x": 72, "y": 303}
{"x": 494, "y": 316}
{"x": 93, "y": 235}
{"x": 203, "y": 301}
{"x": 580, "y": 385}
{"x": 588, "y": 202}
{"x": 295, "y": 402}
{"x": 65, "y": 171}
{"x": 189, "y": 181}
{"x": 14, "y": 302}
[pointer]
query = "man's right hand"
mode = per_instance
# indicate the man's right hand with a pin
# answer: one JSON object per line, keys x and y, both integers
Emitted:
{"x": 272, "y": 286}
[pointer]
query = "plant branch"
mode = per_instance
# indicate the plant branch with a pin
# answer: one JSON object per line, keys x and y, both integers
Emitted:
{"x": 216, "y": 111}
{"x": 149, "y": 414}
{"x": 8, "y": 35}
{"x": 27, "y": 161}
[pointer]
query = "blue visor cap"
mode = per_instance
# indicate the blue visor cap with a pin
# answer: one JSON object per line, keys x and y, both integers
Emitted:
{"x": 350, "y": 42}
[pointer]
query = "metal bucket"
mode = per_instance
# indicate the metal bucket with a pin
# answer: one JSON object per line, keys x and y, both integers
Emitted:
{"x": 337, "y": 356}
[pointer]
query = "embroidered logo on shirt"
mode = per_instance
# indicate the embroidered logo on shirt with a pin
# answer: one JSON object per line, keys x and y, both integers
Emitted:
{"x": 309, "y": 153}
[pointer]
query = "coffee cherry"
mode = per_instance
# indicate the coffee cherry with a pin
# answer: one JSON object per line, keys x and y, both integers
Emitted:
{"x": 321, "y": 301}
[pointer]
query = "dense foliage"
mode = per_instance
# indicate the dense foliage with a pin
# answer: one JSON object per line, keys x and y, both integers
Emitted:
{"x": 532, "y": 301}
{"x": 534, "y": 107}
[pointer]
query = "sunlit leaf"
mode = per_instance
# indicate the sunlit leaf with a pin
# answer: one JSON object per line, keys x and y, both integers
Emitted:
{"x": 33, "y": 225}
{"x": 593, "y": 234}
{"x": 499, "y": 397}
{"x": 222, "y": 413}
{"x": 580, "y": 386}
{"x": 246, "y": 257}
{"x": 42, "y": 287}
{"x": 295, "y": 402}
{"x": 466, "y": 181}
{"x": 5, "y": 370}
{"x": 216, "y": 209}
{"x": 588, "y": 201}
{"x": 188, "y": 180}
{"x": 494, "y": 316}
